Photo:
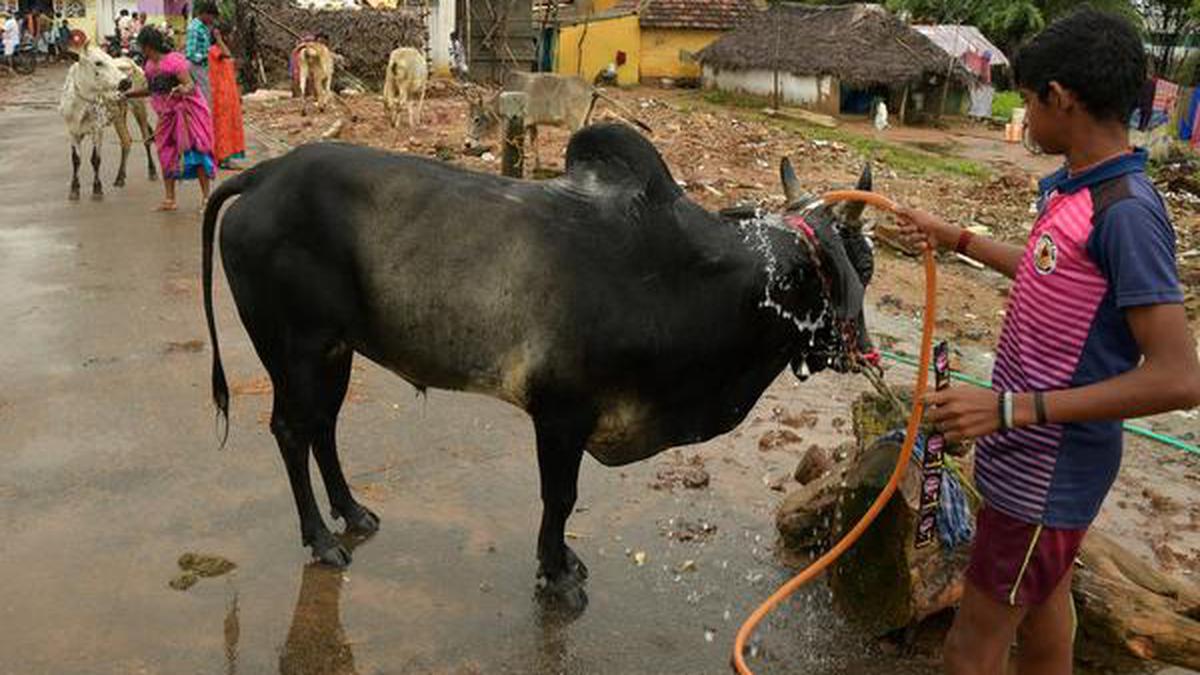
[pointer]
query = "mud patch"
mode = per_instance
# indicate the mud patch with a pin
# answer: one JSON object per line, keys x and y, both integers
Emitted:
{"x": 180, "y": 287}
{"x": 689, "y": 473}
{"x": 195, "y": 566}
{"x": 188, "y": 347}
{"x": 778, "y": 438}
{"x": 259, "y": 386}
{"x": 698, "y": 531}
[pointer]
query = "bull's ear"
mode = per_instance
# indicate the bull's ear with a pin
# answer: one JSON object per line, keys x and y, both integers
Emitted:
{"x": 791, "y": 183}
{"x": 865, "y": 180}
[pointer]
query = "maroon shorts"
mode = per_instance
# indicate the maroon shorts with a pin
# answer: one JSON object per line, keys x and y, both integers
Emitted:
{"x": 1017, "y": 563}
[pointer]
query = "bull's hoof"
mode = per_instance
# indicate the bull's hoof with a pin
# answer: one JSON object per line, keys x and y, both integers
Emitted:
{"x": 329, "y": 551}
{"x": 153, "y": 177}
{"x": 119, "y": 182}
{"x": 97, "y": 195}
{"x": 576, "y": 566}
{"x": 359, "y": 520}
{"x": 564, "y": 596}
{"x": 74, "y": 195}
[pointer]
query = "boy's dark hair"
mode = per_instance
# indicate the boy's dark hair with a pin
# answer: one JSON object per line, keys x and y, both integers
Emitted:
{"x": 203, "y": 8}
{"x": 1097, "y": 55}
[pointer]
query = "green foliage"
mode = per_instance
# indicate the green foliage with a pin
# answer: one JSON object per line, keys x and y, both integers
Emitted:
{"x": 1003, "y": 104}
{"x": 902, "y": 158}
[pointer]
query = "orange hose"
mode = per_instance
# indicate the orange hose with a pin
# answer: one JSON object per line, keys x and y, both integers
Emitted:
{"x": 914, "y": 420}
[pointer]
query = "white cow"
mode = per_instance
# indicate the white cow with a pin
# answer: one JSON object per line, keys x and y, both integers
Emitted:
{"x": 404, "y": 84}
{"x": 91, "y": 100}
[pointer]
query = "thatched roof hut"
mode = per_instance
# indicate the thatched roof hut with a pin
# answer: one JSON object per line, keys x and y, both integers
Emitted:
{"x": 862, "y": 45}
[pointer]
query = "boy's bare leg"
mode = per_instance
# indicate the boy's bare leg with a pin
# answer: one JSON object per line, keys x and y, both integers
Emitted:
{"x": 982, "y": 633}
{"x": 1046, "y": 642}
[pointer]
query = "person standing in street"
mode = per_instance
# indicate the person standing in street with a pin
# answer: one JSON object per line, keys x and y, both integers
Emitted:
{"x": 184, "y": 136}
{"x": 230, "y": 142}
{"x": 199, "y": 41}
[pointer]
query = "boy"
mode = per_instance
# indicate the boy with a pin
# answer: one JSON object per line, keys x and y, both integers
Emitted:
{"x": 1095, "y": 292}
{"x": 199, "y": 40}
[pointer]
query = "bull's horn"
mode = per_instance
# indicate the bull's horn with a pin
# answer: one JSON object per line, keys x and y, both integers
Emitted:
{"x": 791, "y": 184}
{"x": 854, "y": 210}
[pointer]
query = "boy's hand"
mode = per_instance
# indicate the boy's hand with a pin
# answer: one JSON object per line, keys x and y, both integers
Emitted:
{"x": 919, "y": 229}
{"x": 964, "y": 412}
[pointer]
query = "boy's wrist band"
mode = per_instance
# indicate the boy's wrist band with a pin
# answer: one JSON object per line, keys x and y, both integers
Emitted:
{"x": 964, "y": 240}
{"x": 1006, "y": 411}
{"x": 1039, "y": 406}
{"x": 1000, "y": 411}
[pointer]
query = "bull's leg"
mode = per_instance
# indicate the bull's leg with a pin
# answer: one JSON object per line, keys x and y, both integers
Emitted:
{"x": 560, "y": 442}
{"x": 294, "y": 423}
{"x": 303, "y": 65}
{"x": 75, "y": 162}
{"x": 533, "y": 141}
{"x": 97, "y": 187}
{"x": 143, "y": 124}
{"x": 420, "y": 104}
{"x": 120, "y": 123}
{"x": 334, "y": 381}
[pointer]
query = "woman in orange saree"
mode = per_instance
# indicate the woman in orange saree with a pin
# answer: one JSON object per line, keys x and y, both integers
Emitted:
{"x": 230, "y": 141}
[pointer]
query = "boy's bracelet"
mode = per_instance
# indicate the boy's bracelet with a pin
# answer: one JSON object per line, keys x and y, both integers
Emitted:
{"x": 1039, "y": 406}
{"x": 1006, "y": 410}
{"x": 964, "y": 240}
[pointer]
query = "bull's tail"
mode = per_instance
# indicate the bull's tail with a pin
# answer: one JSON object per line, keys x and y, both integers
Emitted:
{"x": 220, "y": 388}
{"x": 625, "y": 112}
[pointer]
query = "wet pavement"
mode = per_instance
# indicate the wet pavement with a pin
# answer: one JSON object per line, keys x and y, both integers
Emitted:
{"x": 112, "y": 471}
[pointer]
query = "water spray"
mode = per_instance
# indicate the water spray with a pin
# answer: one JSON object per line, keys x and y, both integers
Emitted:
{"x": 910, "y": 436}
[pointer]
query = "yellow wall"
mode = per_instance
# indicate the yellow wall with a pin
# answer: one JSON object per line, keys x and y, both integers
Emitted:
{"x": 661, "y": 47}
{"x": 86, "y": 23}
{"x": 601, "y": 42}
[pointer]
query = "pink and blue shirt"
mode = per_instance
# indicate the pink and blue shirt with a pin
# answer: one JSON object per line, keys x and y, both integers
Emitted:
{"x": 1102, "y": 243}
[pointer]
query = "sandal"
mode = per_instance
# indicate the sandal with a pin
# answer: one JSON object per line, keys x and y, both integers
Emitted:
{"x": 167, "y": 205}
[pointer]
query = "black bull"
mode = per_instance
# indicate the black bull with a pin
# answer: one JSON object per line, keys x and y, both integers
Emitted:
{"x": 623, "y": 317}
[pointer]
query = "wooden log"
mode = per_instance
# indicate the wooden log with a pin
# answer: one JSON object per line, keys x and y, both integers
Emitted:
{"x": 1123, "y": 602}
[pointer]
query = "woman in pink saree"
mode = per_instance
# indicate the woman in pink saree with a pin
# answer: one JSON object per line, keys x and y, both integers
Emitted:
{"x": 184, "y": 136}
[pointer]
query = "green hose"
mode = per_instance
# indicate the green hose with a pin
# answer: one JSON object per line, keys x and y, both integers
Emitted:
{"x": 1135, "y": 429}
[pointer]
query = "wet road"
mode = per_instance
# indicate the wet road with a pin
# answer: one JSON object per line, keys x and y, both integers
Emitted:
{"x": 111, "y": 471}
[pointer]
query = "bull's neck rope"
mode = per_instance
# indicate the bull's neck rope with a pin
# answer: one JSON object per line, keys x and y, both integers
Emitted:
{"x": 812, "y": 247}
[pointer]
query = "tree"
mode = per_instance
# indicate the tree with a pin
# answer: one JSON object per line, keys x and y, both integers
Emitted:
{"x": 1005, "y": 22}
{"x": 1169, "y": 24}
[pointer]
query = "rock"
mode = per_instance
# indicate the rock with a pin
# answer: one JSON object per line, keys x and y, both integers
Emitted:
{"x": 266, "y": 95}
{"x": 777, "y": 438}
{"x": 815, "y": 463}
